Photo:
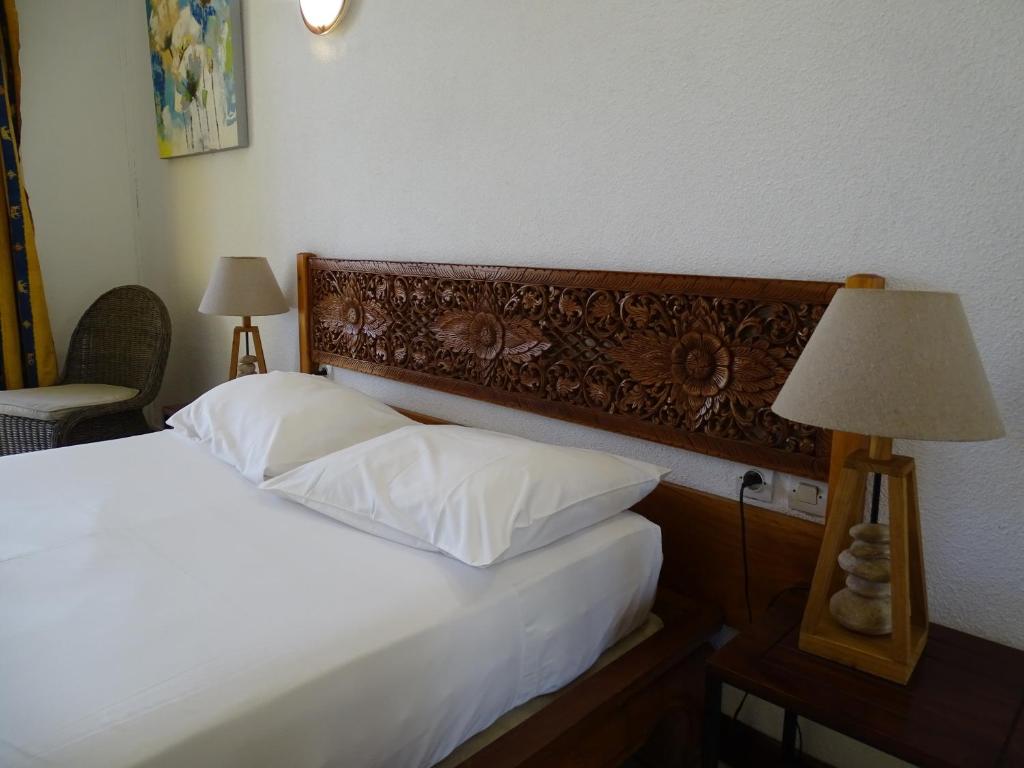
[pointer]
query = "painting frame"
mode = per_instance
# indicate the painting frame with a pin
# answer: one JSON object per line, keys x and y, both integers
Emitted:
{"x": 197, "y": 64}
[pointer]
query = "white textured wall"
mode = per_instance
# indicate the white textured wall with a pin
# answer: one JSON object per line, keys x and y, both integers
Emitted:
{"x": 779, "y": 138}
{"x": 784, "y": 139}
{"x": 78, "y": 167}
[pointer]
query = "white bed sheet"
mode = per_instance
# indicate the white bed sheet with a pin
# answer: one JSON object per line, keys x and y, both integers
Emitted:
{"x": 156, "y": 609}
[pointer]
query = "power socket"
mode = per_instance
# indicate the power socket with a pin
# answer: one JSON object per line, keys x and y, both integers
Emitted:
{"x": 764, "y": 493}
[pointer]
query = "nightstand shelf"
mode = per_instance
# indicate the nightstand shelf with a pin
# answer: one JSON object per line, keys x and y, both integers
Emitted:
{"x": 964, "y": 705}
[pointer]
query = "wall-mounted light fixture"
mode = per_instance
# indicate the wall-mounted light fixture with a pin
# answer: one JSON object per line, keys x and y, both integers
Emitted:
{"x": 321, "y": 16}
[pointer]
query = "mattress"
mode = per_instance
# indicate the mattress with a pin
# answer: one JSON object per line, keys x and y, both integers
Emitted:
{"x": 156, "y": 609}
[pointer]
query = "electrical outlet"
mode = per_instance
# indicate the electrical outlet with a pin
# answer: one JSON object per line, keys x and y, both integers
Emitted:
{"x": 764, "y": 493}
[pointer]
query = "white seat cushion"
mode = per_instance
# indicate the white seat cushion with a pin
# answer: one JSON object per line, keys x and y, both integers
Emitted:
{"x": 53, "y": 403}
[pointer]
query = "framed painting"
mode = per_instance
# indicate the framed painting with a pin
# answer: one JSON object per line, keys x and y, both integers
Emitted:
{"x": 198, "y": 75}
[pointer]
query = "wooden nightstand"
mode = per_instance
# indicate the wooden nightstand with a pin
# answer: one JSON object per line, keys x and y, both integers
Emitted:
{"x": 964, "y": 706}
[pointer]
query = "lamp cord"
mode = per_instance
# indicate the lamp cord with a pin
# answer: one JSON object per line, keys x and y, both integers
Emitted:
{"x": 876, "y": 494}
{"x": 750, "y": 479}
{"x": 739, "y": 708}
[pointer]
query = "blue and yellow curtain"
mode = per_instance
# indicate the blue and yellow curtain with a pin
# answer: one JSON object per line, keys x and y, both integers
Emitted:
{"x": 27, "y": 357}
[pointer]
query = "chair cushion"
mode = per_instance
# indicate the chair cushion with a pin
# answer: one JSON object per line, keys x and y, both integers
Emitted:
{"x": 53, "y": 403}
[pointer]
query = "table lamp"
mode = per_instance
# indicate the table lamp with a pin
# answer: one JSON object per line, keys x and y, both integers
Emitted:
{"x": 885, "y": 364}
{"x": 244, "y": 286}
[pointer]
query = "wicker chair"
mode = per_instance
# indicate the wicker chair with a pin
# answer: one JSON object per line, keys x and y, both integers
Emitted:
{"x": 122, "y": 340}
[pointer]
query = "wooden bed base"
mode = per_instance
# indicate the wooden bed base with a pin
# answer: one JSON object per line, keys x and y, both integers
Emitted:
{"x": 653, "y": 694}
{"x": 650, "y": 696}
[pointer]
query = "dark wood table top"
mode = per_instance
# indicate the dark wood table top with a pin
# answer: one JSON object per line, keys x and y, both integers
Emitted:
{"x": 964, "y": 706}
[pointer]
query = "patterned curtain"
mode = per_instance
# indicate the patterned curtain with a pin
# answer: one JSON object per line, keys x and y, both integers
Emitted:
{"x": 27, "y": 356}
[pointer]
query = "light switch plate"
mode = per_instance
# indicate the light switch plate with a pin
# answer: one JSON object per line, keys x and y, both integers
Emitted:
{"x": 806, "y": 497}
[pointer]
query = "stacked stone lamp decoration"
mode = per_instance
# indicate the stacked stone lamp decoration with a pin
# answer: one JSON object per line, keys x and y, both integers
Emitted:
{"x": 865, "y": 604}
{"x": 882, "y": 364}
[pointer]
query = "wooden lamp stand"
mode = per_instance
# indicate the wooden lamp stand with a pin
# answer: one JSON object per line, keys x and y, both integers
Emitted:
{"x": 891, "y": 656}
{"x": 247, "y": 329}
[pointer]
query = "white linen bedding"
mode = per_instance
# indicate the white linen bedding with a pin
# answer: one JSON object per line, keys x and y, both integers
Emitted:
{"x": 157, "y": 609}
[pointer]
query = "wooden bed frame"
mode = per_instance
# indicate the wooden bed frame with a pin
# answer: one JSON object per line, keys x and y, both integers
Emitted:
{"x": 693, "y": 362}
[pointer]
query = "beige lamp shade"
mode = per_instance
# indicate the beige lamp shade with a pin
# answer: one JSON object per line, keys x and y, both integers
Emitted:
{"x": 892, "y": 364}
{"x": 243, "y": 286}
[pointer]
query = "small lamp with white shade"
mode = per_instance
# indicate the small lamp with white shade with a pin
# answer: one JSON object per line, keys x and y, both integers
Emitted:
{"x": 244, "y": 286}
{"x": 886, "y": 364}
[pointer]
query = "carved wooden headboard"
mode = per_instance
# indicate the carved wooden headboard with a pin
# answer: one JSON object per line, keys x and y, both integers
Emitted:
{"x": 693, "y": 362}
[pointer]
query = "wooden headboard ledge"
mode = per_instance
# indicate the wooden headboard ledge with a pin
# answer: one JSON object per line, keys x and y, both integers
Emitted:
{"x": 693, "y": 362}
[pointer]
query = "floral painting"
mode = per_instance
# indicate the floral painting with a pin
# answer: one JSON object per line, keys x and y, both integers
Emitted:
{"x": 198, "y": 75}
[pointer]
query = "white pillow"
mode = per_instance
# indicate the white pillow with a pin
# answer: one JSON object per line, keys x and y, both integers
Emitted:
{"x": 266, "y": 424}
{"x": 478, "y": 496}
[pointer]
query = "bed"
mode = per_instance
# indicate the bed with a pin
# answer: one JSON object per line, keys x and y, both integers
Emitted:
{"x": 214, "y": 624}
{"x": 169, "y": 613}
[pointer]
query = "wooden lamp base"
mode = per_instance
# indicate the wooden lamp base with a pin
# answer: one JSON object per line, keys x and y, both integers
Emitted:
{"x": 250, "y": 330}
{"x": 891, "y": 656}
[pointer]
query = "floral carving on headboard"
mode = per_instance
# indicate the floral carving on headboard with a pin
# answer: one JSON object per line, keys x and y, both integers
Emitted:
{"x": 489, "y": 336}
{"x": 347, "y": 314}
{"x": 693, "y": 362}
{"x": 709, "y": 367}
